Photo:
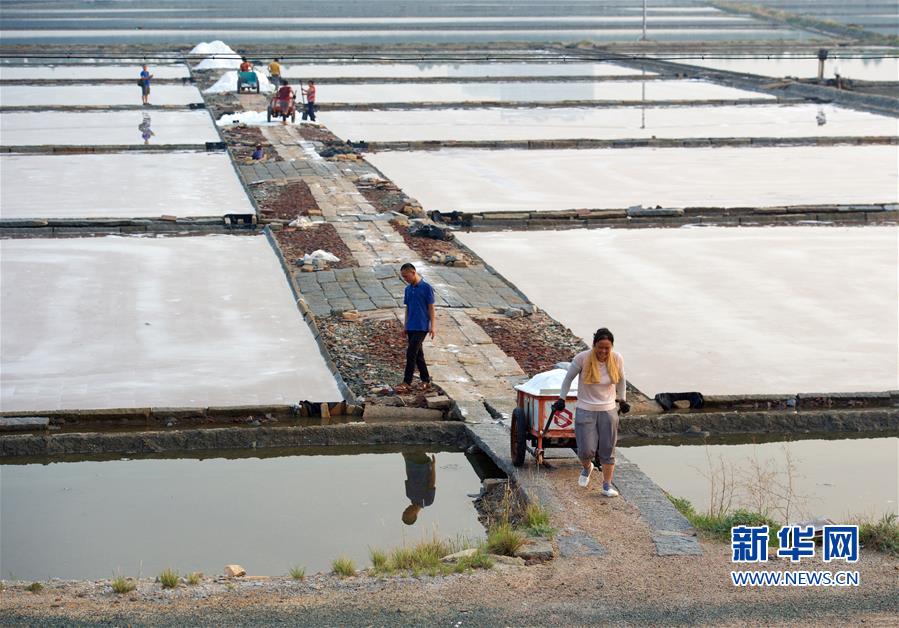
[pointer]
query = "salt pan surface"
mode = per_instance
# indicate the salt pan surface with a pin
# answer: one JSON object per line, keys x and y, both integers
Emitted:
{"x": 612, "y": 123}
{"x": 100, "y": 128}
{"x": 120, "y": 185}
{"x": 544, "y": 180}
{"x": 318, "y": 71}
{"x": 720, "y": 310}
{"x": 69, "y": 72}
{"x": 88, "y": 95}
{"x": 532, "y": 92}
{"x": 886, "y": 69}
{"x": 138, "y": 322}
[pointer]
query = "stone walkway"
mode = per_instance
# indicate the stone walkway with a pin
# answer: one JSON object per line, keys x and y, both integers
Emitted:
{"x": 463, "y": 359}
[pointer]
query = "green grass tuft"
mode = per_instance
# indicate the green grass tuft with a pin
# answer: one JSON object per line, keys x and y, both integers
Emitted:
{"x": 718, "y": 526}
{"x": 169, "y": 579}
{"x": 536, "y": 521}
{"x": 35, "y": 587}
{"x": 194, "y": 578}
{"x": 881, "y": 535}
{"x": 343, "y": 567}
{"x": 297, "y": 572}
{"x": 380, "y": 563}
{"x": 121, "y": 584}
{"x": 504, "y": 539}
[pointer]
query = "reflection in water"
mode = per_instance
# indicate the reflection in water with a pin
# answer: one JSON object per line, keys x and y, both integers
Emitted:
{"x": 421, "y": 483}
{"x": 144, "y": 127}
{"x": 267, "y": 510}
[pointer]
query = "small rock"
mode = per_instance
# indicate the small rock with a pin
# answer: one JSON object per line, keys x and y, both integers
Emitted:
{"x": 536, "y": 551}
{"x": 466, "y": 553}
{"x": 234, "y": 571}
{"x": 507, "y": 560}
{"x": 441, "y": 402}
{"x": 491, "y": 483}
{"x": 514, "y": 312}
{"x": 307, "y": 268}
{"x": 351, "y": 315}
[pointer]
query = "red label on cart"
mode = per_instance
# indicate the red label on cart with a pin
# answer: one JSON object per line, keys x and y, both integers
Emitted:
{"x": 563, "y": 419}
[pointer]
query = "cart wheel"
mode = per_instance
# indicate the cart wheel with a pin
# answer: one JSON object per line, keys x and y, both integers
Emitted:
{"x": 268, "y": 114}
{"x": 239, "y": 86}
{"x": 257, "y": 87}
{"x": 519, "y": 437}
{"x": 293, "y": 116}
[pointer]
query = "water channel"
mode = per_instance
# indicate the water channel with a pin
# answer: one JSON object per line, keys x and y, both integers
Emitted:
{"x": 267, "y": 511}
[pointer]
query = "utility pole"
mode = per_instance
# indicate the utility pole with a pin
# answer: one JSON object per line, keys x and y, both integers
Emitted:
{"x": 644, "y": 22}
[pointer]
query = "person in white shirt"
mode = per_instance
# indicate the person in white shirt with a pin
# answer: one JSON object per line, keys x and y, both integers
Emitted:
{"x": 601, "y": 385}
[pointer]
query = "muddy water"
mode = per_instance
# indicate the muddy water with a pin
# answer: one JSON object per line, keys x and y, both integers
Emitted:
{"x": 85, "y": 519}
{"x": 838, "y": 479}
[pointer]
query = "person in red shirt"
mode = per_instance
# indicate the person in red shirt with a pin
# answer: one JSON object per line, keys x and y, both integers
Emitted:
{"x": 309, "y": 110}
{"x": 245, "y": 66}
{"x": 285, "y": 96}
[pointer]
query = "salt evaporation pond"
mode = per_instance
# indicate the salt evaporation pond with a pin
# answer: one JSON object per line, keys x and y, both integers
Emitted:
{"x": 612, "y": 123}
{"x": 105, "y": 128}
{"x": 685, "y": 90}
{"x": 412, "y": 35}
{"x": 317, "y": 71}
{"x": 119, "y": 322}
{"x": 269, "y": 512}
{"x": 67, "y": 72}
{"x": 521, "y": 180}
{"x": 89, "y": 95}
{"x": 862, "y": 69}
{"x": 720, "y": 310}
{"x": 866, "y": 485}
{"x": 120, "y": 185}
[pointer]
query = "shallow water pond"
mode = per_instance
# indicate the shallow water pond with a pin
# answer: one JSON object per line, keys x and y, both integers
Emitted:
{"x": 267, "y": 511}
{"x": 837, "y": 479}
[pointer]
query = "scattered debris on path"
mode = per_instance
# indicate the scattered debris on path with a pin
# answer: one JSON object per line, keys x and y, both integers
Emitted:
{"x": 296, "y": 242}
{"x": 284, "y": 200}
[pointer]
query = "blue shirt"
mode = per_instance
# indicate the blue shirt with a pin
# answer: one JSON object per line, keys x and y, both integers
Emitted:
{"x": 145, "y": 76}
{"x": 417, "y": 299}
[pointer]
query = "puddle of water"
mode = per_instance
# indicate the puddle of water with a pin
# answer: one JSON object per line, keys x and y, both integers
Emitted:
{"x": 461, "y": 70}
{"x": 837, "y": 479}
{"x": 522, "y": 180}
{"x": 267, "y": 513}
{"x": 721, "y": 310}
{"x": 93, "y": 128}
{"x": 532, "y": 92}
{"x": 120, "y": 185}
{"x": 140, "y": 322}
{"x": 612, "y": 123}
{"x": 88, "y": 95}
{"x": 867, "y": 69}
{"x": 69, "y": 72}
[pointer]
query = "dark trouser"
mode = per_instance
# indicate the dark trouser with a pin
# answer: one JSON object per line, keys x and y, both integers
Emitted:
{"x": 415, "y": 357}
{"x": 309, "y": 111}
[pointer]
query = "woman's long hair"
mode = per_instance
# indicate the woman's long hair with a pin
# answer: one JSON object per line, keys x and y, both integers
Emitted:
{"x": 611, "y": 364}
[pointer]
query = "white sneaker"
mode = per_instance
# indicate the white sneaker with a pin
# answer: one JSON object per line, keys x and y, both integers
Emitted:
{"x": 610, "y": 492}
{"x": 584, "y": 478}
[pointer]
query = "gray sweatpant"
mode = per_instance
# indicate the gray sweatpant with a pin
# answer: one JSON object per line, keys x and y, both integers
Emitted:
{"x": 596, "y": 431}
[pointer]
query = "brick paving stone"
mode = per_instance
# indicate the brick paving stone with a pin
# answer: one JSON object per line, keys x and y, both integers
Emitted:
{"x": 384, "y": 301}
{"x": 376, "y": 290}
{"x": 363, "y": 305}
{"x": 344, "y": 274}
{"x": 325, "y": 276}
{"x": 341, "y": 305}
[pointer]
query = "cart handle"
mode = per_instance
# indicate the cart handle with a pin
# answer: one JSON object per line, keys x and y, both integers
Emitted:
{"x": 549, "y": 422}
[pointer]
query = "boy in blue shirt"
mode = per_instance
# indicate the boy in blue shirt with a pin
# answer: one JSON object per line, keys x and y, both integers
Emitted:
{"x": 420, "y": 320}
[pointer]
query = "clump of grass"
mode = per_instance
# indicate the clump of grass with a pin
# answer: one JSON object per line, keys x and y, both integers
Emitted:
{"x": 504, "y": 539}
{"x": 121, "y": 584}
{"x": 297, "y": 572}
{"x": 169, "y": 579}
{"x": 35, "y": 587}
{"x": 478, "y": 560}
{"x": 423, "y": 556}
{"x": 194, "y": 578}
{"x": 379, "y": 561}
{"x": 717, "y": 526}
{"x": 882, "y": 535}
{"x": 343, "y": 567}
{"x": 536, "y": 521}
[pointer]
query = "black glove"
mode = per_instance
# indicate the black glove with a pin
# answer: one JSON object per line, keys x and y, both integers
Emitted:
{"x": 624, "y": 407}
{"x": 559, "y": 405}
